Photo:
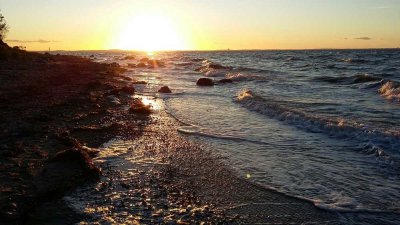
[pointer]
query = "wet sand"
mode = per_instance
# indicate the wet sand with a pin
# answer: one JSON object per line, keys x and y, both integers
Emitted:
{"x": 58, "y": 112}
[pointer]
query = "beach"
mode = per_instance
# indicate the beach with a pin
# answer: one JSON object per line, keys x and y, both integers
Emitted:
{"x": 58, "y": 115}
{"x": 200, "y": 112}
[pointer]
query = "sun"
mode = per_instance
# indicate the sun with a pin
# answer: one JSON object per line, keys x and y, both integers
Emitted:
{"x": 149, "y": 33}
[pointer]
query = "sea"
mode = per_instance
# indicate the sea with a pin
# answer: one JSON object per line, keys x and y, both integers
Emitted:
{"x": 319, "y": 125}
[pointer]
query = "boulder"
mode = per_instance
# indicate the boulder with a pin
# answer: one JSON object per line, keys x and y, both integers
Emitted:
{"x": 164, "y": 89}
{"x": 205, "y": 82}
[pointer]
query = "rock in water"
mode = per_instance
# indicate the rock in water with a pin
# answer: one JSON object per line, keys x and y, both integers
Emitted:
{"x": 165, "y": 89}
{"x": 205, "y": 82}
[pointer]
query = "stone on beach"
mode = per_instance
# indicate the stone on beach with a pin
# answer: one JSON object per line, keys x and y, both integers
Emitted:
{"x": 205, "y": 82}
{"x": 164, "y": 89}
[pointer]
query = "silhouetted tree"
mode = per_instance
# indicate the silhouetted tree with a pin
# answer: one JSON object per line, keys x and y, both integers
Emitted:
{"x": 3, "y": 27}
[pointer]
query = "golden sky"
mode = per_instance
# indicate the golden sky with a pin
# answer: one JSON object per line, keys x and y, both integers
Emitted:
{"x": 202, "y": 24}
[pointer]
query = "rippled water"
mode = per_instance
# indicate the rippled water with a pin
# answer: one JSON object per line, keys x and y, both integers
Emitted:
{"x": 320, "y": 125}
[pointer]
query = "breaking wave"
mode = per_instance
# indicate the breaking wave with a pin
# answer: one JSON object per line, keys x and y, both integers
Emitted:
{"x": 239, "y": 76}
{"x": 390, "y": 90}
{"x": 383, "y": 142}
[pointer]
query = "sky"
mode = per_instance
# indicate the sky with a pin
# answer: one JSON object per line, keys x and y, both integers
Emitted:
{"x": 201, "y": 24}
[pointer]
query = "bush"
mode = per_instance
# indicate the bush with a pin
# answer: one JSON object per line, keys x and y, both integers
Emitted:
{"x": 3, "y": 28}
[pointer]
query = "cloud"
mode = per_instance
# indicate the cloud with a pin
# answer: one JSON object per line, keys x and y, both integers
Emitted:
{"x": 363, "y": 38}
{"x": 31, "y": 41}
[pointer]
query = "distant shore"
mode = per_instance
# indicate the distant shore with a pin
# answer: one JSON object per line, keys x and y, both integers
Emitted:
{"x": 57, "y": 112}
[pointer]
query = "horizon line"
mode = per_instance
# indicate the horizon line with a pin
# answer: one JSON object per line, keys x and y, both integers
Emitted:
{"x": 217, "y": 50}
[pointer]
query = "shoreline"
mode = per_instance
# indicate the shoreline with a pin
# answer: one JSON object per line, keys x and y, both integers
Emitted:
{"x": 190, "y": 178}
{"x": 90, "y": 117}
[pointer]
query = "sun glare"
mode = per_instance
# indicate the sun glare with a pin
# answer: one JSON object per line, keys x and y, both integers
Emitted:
{"x": 149, "y": 33}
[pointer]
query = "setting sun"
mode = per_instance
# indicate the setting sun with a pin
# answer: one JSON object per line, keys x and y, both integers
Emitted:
{"x": 149, "y": 33}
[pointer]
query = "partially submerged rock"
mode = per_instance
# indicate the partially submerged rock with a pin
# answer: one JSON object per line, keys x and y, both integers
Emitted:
{"x": 164, "y": 89}
{"x": 205, "y": 82}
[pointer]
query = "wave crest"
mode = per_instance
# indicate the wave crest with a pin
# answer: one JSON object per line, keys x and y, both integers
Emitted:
{"x": 383, "y": 141}
{"x": 390, "y": 90}
{"x": 239, "y": 76}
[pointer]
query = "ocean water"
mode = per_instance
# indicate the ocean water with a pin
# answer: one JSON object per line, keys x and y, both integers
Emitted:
{"x": 320, "y": 125}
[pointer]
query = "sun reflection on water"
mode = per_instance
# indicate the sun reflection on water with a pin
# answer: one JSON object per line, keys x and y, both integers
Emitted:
{"x": 150, "y": 101}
